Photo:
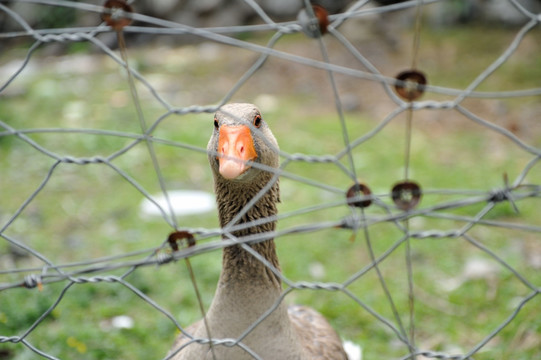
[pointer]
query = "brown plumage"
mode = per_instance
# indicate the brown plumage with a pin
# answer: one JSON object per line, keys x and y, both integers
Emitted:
{"x": 247, "y": 289}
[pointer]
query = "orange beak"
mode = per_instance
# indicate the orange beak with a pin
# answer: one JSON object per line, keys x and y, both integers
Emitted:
{"x": 235, "y": 148}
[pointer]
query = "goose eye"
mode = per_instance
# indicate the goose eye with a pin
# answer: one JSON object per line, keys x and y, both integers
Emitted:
{"x": 216, "y": 123}
{"x": 257, "y": 120}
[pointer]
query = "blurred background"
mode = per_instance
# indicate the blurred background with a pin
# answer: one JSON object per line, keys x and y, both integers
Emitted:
{"x": 84, "y": 220}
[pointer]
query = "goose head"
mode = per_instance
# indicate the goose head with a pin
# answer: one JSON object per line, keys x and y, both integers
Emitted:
{"x": 241, "y": 139}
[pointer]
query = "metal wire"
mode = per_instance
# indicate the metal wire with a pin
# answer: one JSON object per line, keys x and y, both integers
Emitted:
{"x": 99, "y": 270}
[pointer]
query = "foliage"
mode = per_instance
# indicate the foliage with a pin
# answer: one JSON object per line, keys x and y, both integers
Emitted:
{"x": 90, "y": 211}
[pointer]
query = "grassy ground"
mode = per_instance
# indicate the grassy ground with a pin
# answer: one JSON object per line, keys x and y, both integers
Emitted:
{"x": 87, "y": 212}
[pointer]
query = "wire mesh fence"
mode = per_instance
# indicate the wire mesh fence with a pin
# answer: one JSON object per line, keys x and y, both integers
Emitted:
{"x": 410, "y": 201}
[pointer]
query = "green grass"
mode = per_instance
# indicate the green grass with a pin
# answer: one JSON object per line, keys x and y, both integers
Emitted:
{"x": 91, "y": 211}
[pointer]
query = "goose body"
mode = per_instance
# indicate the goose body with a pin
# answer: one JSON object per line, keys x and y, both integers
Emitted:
{"x": 247, "y": 289}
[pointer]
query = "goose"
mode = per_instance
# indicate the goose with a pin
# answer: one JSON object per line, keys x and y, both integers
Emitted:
{"x": 247, "y": 289}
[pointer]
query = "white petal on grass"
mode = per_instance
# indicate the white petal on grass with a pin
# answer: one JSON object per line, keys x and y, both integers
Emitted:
{"x": 183, "y": 202}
